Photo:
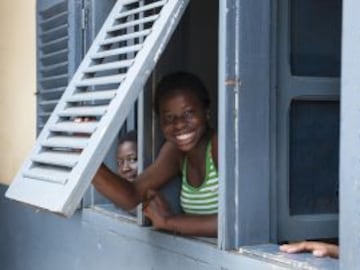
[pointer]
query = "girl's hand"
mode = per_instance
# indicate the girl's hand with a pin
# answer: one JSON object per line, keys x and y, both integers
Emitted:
{"x": 157, "y": 209}
{"x": 318, "y": 249}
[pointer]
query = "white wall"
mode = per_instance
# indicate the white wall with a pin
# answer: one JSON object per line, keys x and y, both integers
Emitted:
{"x": 17, "y": 84}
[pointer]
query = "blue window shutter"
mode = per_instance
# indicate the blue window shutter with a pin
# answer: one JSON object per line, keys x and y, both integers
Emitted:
{"x": 59, "y": 52}
{"x": 105, "y": 86}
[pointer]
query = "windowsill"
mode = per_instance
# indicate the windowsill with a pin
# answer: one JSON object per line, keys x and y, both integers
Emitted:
{"x": 266, "y": 256}
{"x": 293, "y": 261}
{"x": 111, "y": 210}
{"x": 117, "y": 213}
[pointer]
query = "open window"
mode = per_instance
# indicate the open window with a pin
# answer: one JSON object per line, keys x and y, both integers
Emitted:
{"x": 104, "y": 87}
{"x": 192, "y": 47}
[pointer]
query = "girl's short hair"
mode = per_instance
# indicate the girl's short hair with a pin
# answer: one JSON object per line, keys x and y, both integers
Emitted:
{"x": 130, "y": 136}
{"x": 180, "y": 80}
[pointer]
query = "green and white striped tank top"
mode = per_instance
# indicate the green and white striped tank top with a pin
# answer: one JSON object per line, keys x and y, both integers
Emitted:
{"x": 202, "y": 200}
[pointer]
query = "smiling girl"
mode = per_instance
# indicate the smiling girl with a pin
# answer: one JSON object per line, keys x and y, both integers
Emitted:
{"x": 182, "y": 105}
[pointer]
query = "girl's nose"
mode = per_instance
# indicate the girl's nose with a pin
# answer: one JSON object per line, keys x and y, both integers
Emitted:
{"x": 179, "y": 123}
{"x": 125, "y": 166}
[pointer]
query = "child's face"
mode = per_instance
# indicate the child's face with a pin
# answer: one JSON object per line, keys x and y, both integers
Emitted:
{"x": 183, "y": 119}
{"x": 127, "y": 160}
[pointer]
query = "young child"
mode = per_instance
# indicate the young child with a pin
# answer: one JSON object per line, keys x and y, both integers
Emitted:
{"x": 318, "y": 249}
{"x": 127, "y": 156}
{"x": 182, "y": 105}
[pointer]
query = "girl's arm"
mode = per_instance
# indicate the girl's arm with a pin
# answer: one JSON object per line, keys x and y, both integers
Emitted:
{"x": 158, "y": 212}
{"x": 129, "y": 194}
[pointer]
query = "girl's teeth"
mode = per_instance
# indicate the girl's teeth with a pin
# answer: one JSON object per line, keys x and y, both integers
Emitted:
{"x": 183, "y": 137}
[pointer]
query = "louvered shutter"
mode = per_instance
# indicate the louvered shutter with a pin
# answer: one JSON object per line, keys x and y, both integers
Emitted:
{"x": 59, "y": 52}
{"x": 104, "y": 88}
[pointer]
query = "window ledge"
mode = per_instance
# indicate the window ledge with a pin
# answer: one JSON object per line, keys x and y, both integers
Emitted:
{"x": 271, "y": 252}
{"x": 200, "y": 249}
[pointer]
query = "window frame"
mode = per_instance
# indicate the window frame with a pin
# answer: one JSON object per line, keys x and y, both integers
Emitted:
{"x": 234, "y": 91}
{"x": 349, "y": 139}
{"x": 295, "y": 87}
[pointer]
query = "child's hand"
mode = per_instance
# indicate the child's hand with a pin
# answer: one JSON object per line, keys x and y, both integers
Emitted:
{"x": 156, "y": 209}
{"x": 318, "y": 249}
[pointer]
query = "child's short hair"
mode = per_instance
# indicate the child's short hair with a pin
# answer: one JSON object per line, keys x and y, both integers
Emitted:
{"x": 181, "y": 80}
{"x": 130, "y": 136}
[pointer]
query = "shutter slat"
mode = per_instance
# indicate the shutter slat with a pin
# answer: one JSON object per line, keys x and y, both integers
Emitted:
{"x": 72, "y": 127}
{"x": 133, "y": 23}
{"x": 83, "y": 111}
{"x": 48, "y": 102}
{"x": 109, "y": 66}
{"x": 111, "y": 40}
{"x": 119, "y": 51}
{"x": 58, "y": 159}
{"x": 92, "y": 95}
{"x": 54, "y": 54}
{"x": 45, "y": 91}
{"x": 58, "y": 176}
{"x": 66, "y": 141}
{"x": 48, "y": 32}
{"x": 54, "y": 18}
{"x": 54, "y": 42}
{"x": 45, "y": 114}
{"x": 101, "y": 80}
{"x": 54, "y": 78}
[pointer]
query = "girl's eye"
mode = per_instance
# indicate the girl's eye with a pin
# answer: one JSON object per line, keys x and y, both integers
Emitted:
{"x": 168, "y": 119}
{"x": 132, "y": 159}
{"x": 188, "y": 114}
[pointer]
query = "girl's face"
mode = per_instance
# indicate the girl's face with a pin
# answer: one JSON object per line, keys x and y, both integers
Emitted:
{"x": 183, "y": 119}
{"x": 127, "y": 160}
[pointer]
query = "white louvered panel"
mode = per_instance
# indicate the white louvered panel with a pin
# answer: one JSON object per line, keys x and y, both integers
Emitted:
{"x": 83, "y": 111}
{"x": 73, "y": 127}
{"x": 54, "y": 175}
{"x": 66, "y": 141}
{"x": 68, "y": 159}
{"x": 92, "y": 95}
{"x": 103, "y": 89}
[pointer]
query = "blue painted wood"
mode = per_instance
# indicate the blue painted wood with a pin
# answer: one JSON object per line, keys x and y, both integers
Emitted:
{"x": 350, "y": 139}
{"x": 301, "y": 88}
{"x": 54, "y": 72}
{"x": 244, "y": 109}
{"x": 35, "y": 240}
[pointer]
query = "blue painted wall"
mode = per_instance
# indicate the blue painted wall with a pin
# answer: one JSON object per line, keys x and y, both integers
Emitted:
{"x": 31, "y": 239}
